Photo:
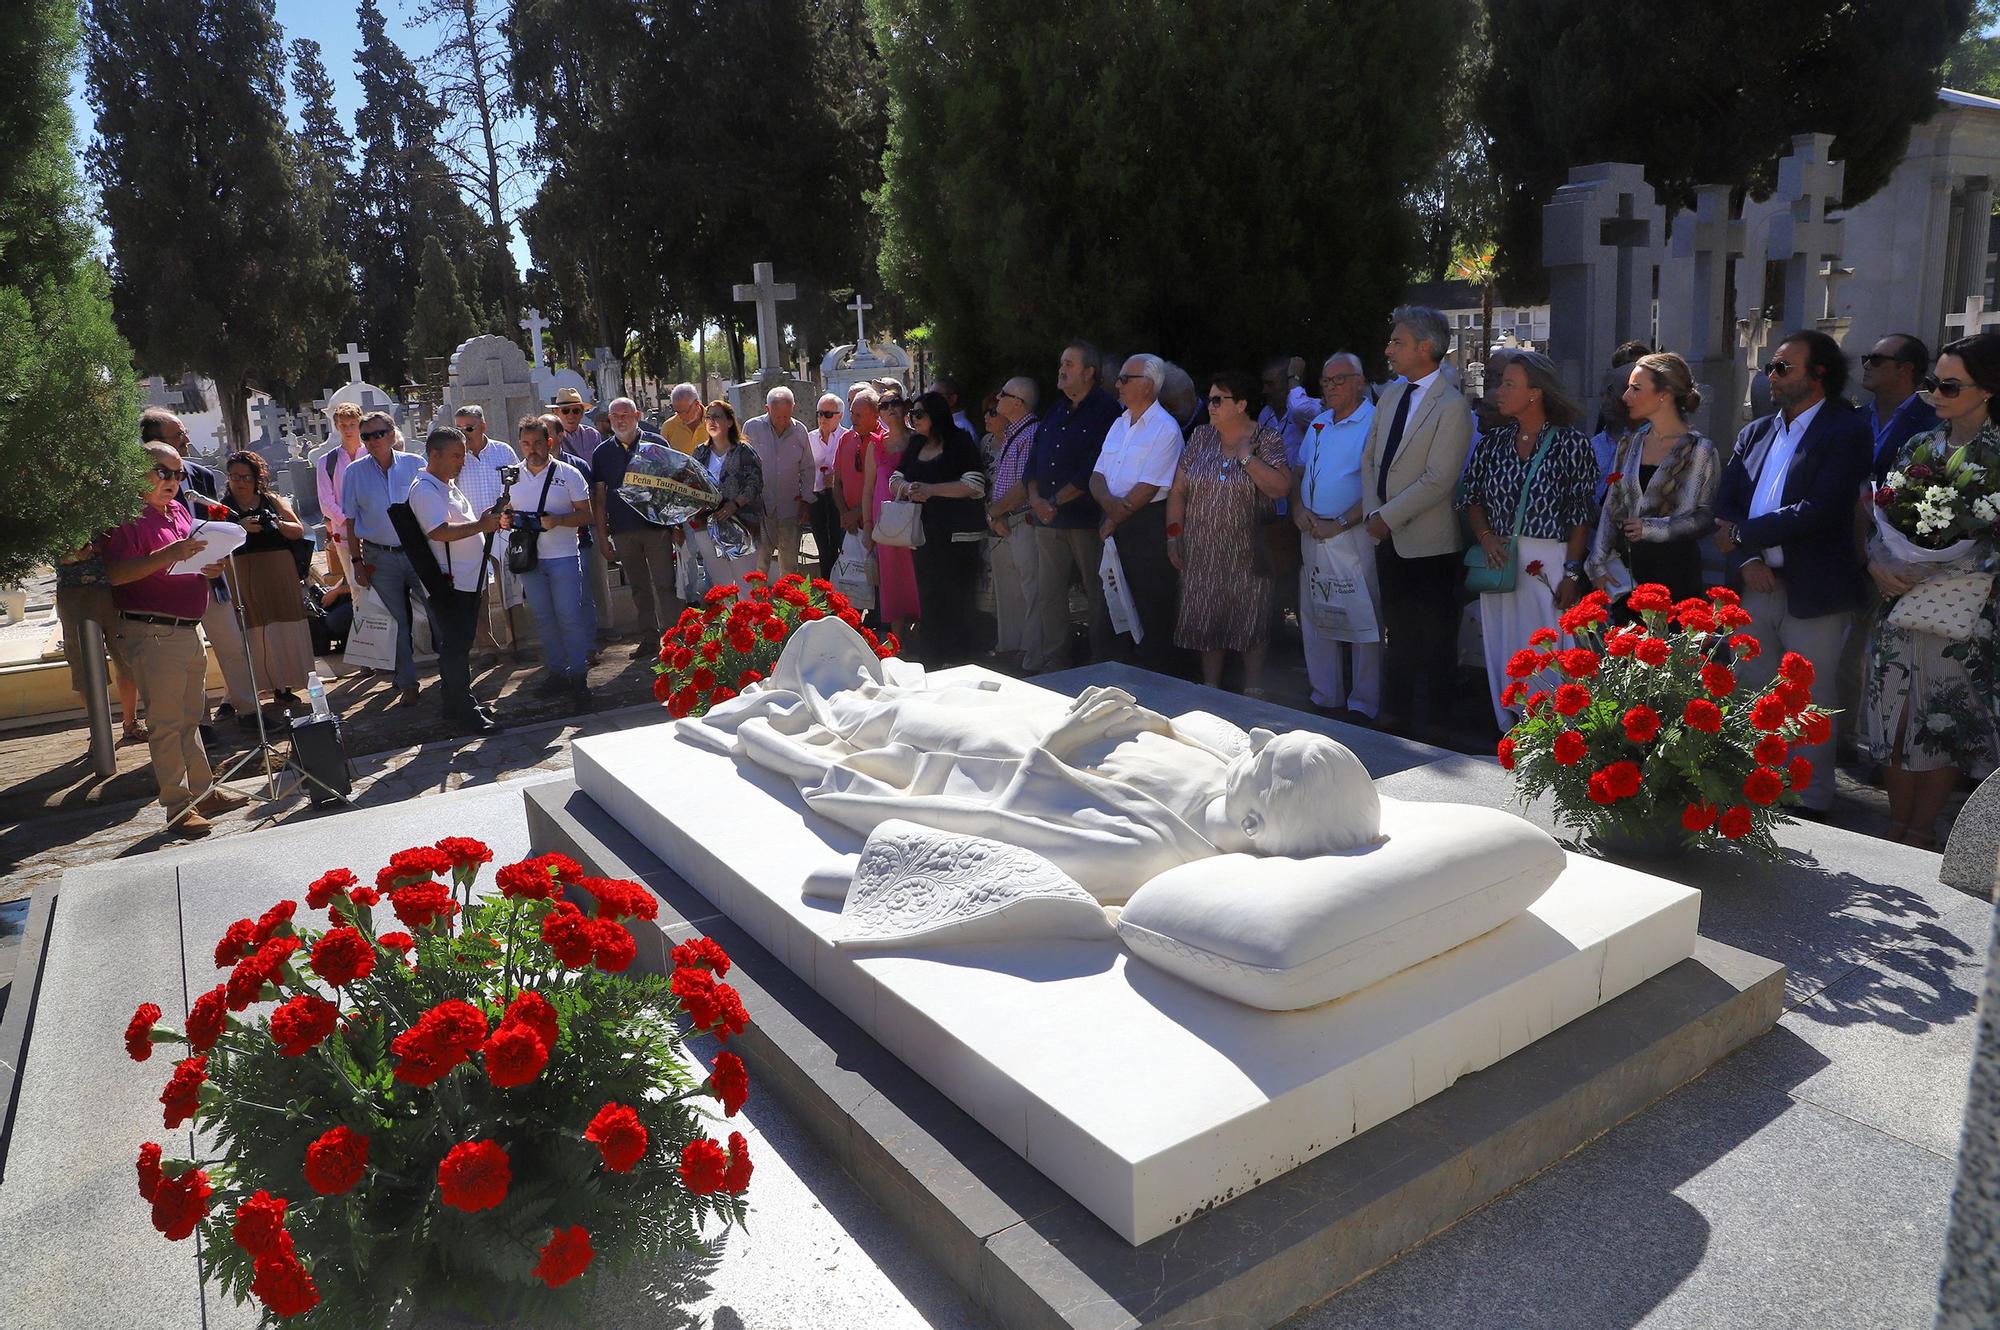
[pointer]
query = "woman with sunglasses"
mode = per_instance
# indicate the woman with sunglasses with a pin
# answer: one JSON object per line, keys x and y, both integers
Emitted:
{"x": 1660, "y": 505}
{"x": 897, "y": 604}
{"x": 1932, "y": 701}
{"x": 1229, "y": 478}
{"x": 266, "y": 584}
{"x": 734, "y": 468}
{"x": 941, "y": 471}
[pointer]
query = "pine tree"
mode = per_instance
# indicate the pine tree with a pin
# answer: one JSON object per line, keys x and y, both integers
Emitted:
{"x": 1700, "y": 94}
{"x": 439, "y": 319}
{"x": 467, "y": 76}
{"x": 220, "y": 263}
{"x": 326, "y": 171}
{"x": 57, "y": 341}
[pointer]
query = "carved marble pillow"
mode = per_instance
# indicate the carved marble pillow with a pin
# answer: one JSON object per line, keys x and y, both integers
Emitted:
{"x": 918, "y": 885}
{"x": 1285, "y": 934}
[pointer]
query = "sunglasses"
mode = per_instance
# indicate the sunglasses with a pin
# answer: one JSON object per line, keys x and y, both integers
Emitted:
{"x": 892, "y": 404}
{"x": 1778, "y": 369}
{"x": 992, "y": 410}
{"x": 918, "y": 413}
{"x": 829, "y": 415}
{"x": 165, "y": 474}
{"x": 1217, "y": 399}
{"x": 1945, "y": 388}
{"x": 1332, "y": 379}
{"x": 1124, "y": 379}
{"x": 570, "y": 411}
{"x": 376, "y": 433}
{"x": 1016, "y": 396}
{"x": 1874, "y": 358}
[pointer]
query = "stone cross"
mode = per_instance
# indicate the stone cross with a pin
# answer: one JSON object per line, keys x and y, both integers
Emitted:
{"x": 765, "y": 292}
{"x": 1803, "y": 237}
{"x": 1603, "y": 234}
{"x": 271, "y": 443}
{"x": 860, "y": 333}
{"x": 535, "y": 325}
{"x": 354, "y": 360}
{"x": 1974, "y": 318}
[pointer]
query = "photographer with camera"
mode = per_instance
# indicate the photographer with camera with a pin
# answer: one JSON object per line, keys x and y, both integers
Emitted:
{"x": 457, "y": 541}
{"x": 550, "y": 500}
{"x": 265, "y": 583}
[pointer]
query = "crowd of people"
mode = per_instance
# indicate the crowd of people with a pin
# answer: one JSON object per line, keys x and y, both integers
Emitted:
{"x": 1193, "y": 522}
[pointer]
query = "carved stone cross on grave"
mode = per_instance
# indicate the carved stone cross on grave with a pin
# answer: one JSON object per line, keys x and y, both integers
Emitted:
{"x": 1974, "y": 318}
{"x": 1714, "y": 239}
{"x": 271, "y": 443}
{"x": 1603, "y": 235}
{"x": 1628, "y": 234}
{"x": 354, "y": 360}
{"x": 859, "y": 307}
{"x": 765, "y": 292}
{"x": 1803, "y": 237}
{"x": 535, "y": 325}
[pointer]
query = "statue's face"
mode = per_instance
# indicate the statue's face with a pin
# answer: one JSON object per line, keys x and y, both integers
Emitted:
{"x": 1299, "y": 795}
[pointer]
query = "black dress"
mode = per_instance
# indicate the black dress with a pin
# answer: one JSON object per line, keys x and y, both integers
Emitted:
{"x": 1675, "y": 564}
{"x": 954, "y": 539}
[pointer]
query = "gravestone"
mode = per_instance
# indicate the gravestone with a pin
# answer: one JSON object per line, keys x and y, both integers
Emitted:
{"x": 1973, "y": 848}
{"x": 540, "y": 374}
{"x": 362, "y": 394}
{"x": 271, "y": 443}
{"x": 609, "y": 372}
{"x": 1603, "y": 234}
{"x": 1974, "y": 318}
{"x": 490, "y": 372}
{"x": 1694, "y": 300}
{"x": 765, "y": 291}
{"x": 1804, "y": 237}
{"x": 863, "y": 360}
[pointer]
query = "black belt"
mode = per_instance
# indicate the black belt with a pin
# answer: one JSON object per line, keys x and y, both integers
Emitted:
{"x": 380, "y": 546}
{"x": 160, "y": 620}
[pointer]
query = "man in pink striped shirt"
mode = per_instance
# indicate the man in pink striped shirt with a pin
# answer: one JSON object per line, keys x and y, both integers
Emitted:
{"x": 329, "y": 468}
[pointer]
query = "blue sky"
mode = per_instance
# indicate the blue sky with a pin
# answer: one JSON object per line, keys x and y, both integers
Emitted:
{"x": 331, "y": 23}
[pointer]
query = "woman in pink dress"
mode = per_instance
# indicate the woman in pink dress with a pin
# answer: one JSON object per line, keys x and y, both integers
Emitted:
{"x": 895, "y": 567}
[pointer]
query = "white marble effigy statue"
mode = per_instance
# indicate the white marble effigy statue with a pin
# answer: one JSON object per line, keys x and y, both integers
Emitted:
{"x": 1265, "y": 867}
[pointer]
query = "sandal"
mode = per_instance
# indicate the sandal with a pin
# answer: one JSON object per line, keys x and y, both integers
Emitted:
{"x": 134, "y": 734}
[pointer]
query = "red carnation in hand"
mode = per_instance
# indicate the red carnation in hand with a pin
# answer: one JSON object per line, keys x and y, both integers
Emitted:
{"x": 612, "y": 946}
{"x": 336, "y": 1161}
{"x": 1719, "y": 680}
{"x": 474, "y": 1176}
{"x": 514, "y": 1054}
{"x": 531, "y": 1009}
{"x": 1571, "y": 698}
{"x": 283, "y": 1285}
{"x": 1698, "y": 817}
{"x": 150, "y": 1175}
{"x": 1702, "y": 714}
{"x": 1763, "y": 786}
{"x": 342, "y": 956}
{"x": 618, "y": 1135}
{"x": 1771, "y": 751}
{"x": 424, "y": 904}
{"x": 1814, "y": 728}
{"x": 299, "y": 1025}
{"x": 139, "y": 1031}
{"x": 568, "y": 934}
{"x": 703, "y": 1165}
{"x": 1613, "y": 477}
{"x": 179, "y": 1203}
{"x": 1745, "y": 647}
{"x": 207, "y": 1019}
{"x": 1523, "y": 663}
{"x": 1506, "y": 752}
{"x": 236, "y": 943}
{"x": 1799, "y": 773}
{"x": 1736, "y": 823}
{"x": 1578, "y": 662}
{"x": 260, "y": 1223}
{"x": 566, "y": 1255}
{"x": 335, "y": 882}
{"x": 1642, "y": 724}
{"x": 729, "y": 1082}
{"x": 182, "y": 1097}
{"x": 1652, "y": 651}
{"x": 702, "y": 953}
{"x": 1650, "y": 598}
{"x": 1568, "y": 748}
{"x": 1769, "y": 712}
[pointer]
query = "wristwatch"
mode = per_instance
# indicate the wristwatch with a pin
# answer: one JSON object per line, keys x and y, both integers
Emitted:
{"x": 1573, "y": 570}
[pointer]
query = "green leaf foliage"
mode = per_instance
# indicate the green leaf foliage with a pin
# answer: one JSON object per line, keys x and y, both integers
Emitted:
{"x": 440, "y": 319}
{"x": 1211, "y": 182}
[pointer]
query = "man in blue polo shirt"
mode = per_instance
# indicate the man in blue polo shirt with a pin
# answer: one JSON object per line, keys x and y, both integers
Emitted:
{"x": 1066, "y": 518}
{"x": 371, "y": 484}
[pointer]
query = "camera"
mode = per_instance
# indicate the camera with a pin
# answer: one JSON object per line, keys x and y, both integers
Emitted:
{"x": 527, "y": 525}
{"x": 510, "y": 475}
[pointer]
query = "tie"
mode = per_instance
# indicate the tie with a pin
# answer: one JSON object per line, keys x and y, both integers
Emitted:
{"x": 1401, "y": 418}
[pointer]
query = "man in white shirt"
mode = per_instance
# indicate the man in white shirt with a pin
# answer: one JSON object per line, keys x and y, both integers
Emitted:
{"x": 329, "y": 469}
{"x": 481, "y": 484}
{"x": 1326, "y": 507}
{"x": 786, "y": 457}
{"x": 550, "y": 493}
{"x": 1134, "y": 471}
{"x": 457, "y": 538}
{"x": 824, "y": 441}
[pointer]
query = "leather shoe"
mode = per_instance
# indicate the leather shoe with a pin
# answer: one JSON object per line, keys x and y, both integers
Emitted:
{"x": 219, "y": 800}
{"x": 478, "y": 722}
{"x": 408, "y": 696}
{"x": 190, "y": 826}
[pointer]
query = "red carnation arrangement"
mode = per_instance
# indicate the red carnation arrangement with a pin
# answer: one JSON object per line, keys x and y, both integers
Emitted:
{"x": 732, "y": 640}
{"x": 1651, "y": 739}
{"x": 452, "y": 1064}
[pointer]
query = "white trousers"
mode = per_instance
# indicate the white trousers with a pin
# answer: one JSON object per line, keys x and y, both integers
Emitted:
{"x": 1342, "y": 674}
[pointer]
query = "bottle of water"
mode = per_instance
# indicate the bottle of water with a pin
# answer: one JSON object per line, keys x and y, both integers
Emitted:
{"x": 317, "y": 692}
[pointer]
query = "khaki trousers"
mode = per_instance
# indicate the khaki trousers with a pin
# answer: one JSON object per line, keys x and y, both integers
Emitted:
{"x": 648, "y": 560}
{"x": 170, "y": 665}
{"x": 781, "y": 537}
{"x": 1017, "y": 592}
{"x": 1819, "y": 640}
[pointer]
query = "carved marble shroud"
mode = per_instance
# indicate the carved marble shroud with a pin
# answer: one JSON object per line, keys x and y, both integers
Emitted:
{"x": 914, "y": 883}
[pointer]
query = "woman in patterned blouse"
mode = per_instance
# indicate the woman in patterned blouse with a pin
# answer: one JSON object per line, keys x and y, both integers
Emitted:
{"x": 1547, "y": 549}
{"x": 1659, "y": 503}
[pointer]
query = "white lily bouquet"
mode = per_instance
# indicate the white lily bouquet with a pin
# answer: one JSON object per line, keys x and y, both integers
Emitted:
{"x": 1937, "y": 519}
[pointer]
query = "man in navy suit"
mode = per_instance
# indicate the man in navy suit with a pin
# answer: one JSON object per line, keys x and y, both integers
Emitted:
{"x": 1785, "y": 523}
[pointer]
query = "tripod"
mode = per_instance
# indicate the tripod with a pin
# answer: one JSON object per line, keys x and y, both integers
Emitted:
{"x": 275, "y": 760}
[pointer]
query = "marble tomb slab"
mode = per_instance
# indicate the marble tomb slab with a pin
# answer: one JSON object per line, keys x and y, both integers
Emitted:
{"x": 1147, "y": 1100}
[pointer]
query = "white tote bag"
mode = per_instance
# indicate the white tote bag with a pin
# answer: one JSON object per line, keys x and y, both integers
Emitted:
{"x": 1337, "y": 596}
{"x": 851, "y": 571}
{"x": 371, "y": 642}
{"x": 900, "y": 523}
{"x": 1117, "y": 595}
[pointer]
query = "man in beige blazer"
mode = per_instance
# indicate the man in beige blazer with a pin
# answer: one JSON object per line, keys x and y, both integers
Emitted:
{"x": 1409, "y": 476}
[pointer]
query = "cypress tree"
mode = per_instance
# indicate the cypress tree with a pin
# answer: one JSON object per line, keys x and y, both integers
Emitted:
{"x": 440, "y": 319}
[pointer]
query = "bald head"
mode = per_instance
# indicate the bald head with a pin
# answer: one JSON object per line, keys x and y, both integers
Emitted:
{"x": 1017, "y": 399}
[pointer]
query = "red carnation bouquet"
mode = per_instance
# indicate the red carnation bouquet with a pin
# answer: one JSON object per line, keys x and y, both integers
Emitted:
{"x": 733, "y": 639}
{"x": 441, "y": 1103}
{"x": 1643, "y": 734}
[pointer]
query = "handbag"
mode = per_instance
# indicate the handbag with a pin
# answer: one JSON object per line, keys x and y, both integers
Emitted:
{"x": 1484, "y": 578}
{"x": 1947, "y": 606}
{"x": 524, "y": 543}
{"x": 900, "y": 523}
